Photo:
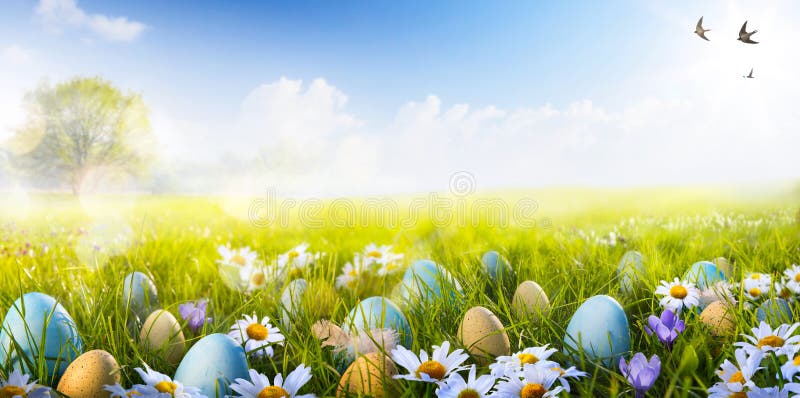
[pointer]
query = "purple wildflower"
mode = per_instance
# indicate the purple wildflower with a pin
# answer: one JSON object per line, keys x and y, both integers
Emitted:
{"x": 195, "y": 314}
{"x": 640, "y": 373}
{"x": 666, "y": 328}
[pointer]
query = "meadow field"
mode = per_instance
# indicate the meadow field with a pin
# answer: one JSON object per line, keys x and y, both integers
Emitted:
{"x": 79, "y": 251}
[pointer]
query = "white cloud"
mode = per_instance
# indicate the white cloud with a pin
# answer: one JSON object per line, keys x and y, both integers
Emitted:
{"x": 58, "y": 14}
{"x": 17, "y": 55}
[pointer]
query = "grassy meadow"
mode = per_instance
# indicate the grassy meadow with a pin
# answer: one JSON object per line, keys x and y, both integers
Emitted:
{"x": 79, "y": 250}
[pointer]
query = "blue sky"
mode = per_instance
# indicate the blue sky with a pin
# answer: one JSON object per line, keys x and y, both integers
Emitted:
{"x": 576, "y": 74}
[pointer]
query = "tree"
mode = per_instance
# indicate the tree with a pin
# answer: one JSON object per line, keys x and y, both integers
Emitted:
{"x": 83, "y": 127}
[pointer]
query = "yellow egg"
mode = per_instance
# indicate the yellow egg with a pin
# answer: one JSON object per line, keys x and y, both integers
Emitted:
{"x": 530, "y": 301}
{"x": 483, "y": 335}
{"x": 161, "y": 333}
{"x": 371, "y": 375}
{"x": 719, "y": 318}
{"x": 88, "y": 373}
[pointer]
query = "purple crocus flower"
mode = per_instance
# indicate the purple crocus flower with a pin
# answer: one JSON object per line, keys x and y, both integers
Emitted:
{"x": 640, "y": 373}
{"x": 667, "y": 327}
{"x": 195, "y": 314}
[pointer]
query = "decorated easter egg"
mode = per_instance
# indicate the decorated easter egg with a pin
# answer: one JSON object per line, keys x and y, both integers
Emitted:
{"x": 497, "y": 266}
{"x": 630, "y": 270}
{"x": 376, "y": 313}
{"x": 425, "y": 280}
{"x": 370, "y": 375}
{"x": 36, "y": 321}
{"x": 162, "y": 334}
{"x": 139, "y": 295}
{"x": 599, "y": 329}
{"x": 87, "y": 375}
{"x": 484, "y": 335}
{"x": 704, "y": 274}
{"x": 719, "y": 318}
{"x": 292, "y": 301}
{"x": 724, "y": 265}
{"x": 530, "y": 301}
{"x": 212, "y": 364}
{"x": 774, "y": 311}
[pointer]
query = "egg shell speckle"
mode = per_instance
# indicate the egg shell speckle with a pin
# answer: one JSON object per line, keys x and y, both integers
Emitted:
{"x": 370, "y": 374}
{"x": 162, "y": 333}
{"x": 719, "y": 318}
{"x": 530, "y": 301}
{"x": 213, "y": 363}
{"x": 86, "y": 376}
{"x": 483, "y": 334}
{"x": 600, "y": 329}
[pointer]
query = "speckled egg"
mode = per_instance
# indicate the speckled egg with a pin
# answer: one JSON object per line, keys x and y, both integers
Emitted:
{"x": 139, "y": 295}
{"x": 86, "y": 376}
{"x": 212, "y": 364}
{"x": 530, "y": 301}
{"x": 425, "y": 280}
{"x": 379, "y": 312}
{"x": 599, "y": 328}
{"x": 719, "y": 318}
{"x": 497, "y": 266}
{"x": 371, "y": 375}
{"x": 774, "y": 311}
{"x": 630, "y": 270}
{"x": 292, "y": 301}
{"x": 724, "y": 265}
{"x": 484, "y": 335}
{"x": 704, "y": 274}
{"x": 32, "y": 318}
{"x": 162, "y": 334}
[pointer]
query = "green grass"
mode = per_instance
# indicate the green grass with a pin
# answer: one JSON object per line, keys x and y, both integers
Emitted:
{"x": 175, "y": 239}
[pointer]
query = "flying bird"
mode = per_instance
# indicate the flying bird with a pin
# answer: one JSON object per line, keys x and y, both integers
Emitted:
{"x": 744, "y": 36}
{"x": 700, "y": 31}
{"x": 750, "y": 76}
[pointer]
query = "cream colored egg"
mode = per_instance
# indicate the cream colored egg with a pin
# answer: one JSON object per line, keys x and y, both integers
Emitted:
{"x": 719, "y": 318}
{"x": 483, "y": 335}
{"x": 530, "y": 301}
{"x": 371, "y": 375}
{"x": 161, "y": 333}
{"x": 88, "y": 373}
{"x": 724, "y": 265}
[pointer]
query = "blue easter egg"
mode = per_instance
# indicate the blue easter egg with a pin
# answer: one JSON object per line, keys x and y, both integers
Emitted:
{"x": 774, "y": 311}
{"x": 212, "y": 364}
{"x": 291, "y": 301}
{"x": 704, "y": 274}
{"x": 376, "y": 313}
{"x": 36, "y": 320}
{"x": 496, "y": 265}
{"x": 139, "y": 295}
{"x": 425, "y": 280}
{"x": 630, "y": 270}
{"x": 599, "y": 329}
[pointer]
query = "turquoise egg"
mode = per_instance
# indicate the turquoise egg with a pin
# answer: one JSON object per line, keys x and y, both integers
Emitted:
{"x": 774, "y": 311}
{"x": 212, "y": 364}
{"x": 139, "y": 295}
{"x": 599, "y": 329}
{"x": 291, "y": 301}
{"x": 497, "y": 266}
{"x": 36, "y": 320}
{"x": 704, "y": 274}
{"x": 425, "y": 280}
{"x": 376, "y": 313}
{"x": 630, "y": 270}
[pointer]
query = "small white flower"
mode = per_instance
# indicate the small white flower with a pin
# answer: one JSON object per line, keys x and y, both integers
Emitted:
{"x": 783, "y": 291}
{"x": 243, "y": 258}
{"x": 432, "y": 370}
{"x": 765, "y": 339}
{"x": 509, "y": 365}
{"x": 532, "y": 381}
{"x": 792, "y": 366}
{"x": 677, "y": 295}
{"x": 158, "y": 385}
{"x": 456, "y": 387}
{"x": 566, "y": 374}
{"x": 774, "y": 392}
{"x": 350, "y": 273}
{"x": 738, "y": 378}
{"x": 260, "y": 386}
{"x": 382, "y": 256}
{"x": 792, "y": 275}
{"x": 756, "y": 285}
{"x": 18, "y": 385}
{"x": 257, "y": 337}
{"x": 296, "y": 259}
{"x": 118, "y": 391}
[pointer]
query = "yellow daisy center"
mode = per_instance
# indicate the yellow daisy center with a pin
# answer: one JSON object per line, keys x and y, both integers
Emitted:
{"x": 295, "y": 273}
{"x": 239, "y": 260}
{"x": 433, "y": 369}
{"x": 755, "y": 292}
{"x": 786, "y": 293}
{"x": 12, "y": 391}
{"x": 740, "y": 394}
{"x": 468, "y": 393}
{"x": 797, "y": 277}
{"x": 272, "y": 392}
{"x": 257, "y": 331}
{"x": 532, "y": 390}
{"x": 772, "y": 341}
{"x": 755, "y": 277}
{"x": 527, "y": 359}
{"x": 132, "y": 393}
{"x": 167, "y": 387}
{"x": 737, "y": 377}
{"x": 679, "y": 292}
{"x": 293, "y": 254}
{"x": 257, "y": 279}
{"x": 559, "y": 370}
{"x": 796, "y": 361}
{"x": 375, "y": 254}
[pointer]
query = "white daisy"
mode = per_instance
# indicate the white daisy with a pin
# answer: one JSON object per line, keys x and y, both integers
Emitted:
{"x": 383, "y": 256}
{"x": 756, "y": 285}
{"x": 350, "y": 273}
{"x": 509, "y": 365}
{"x": 259, "y": 385}
{"x": 257, "y": 337}
{"x": 783, "y": 291}
{"x": 737, "y": 378}
{"x": 678, "y": 294}
{"x": 118, "y": 391}
{"x": 243, "y": 258}
{"x": 158, "y": 385}
{"x": 565, "y": 374}
{"x": 765, "y": 339}
{"x": 774, "y": 392}
{"x": 18, "y": 385}
{"x": 432, "y": 370}
{"x": 256, "y": 278}
{"x": 792, "y": 275}
{"x": 456, "y": 387}
{"x": 791, "y": 367}
{"x": 532, "y": 381}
